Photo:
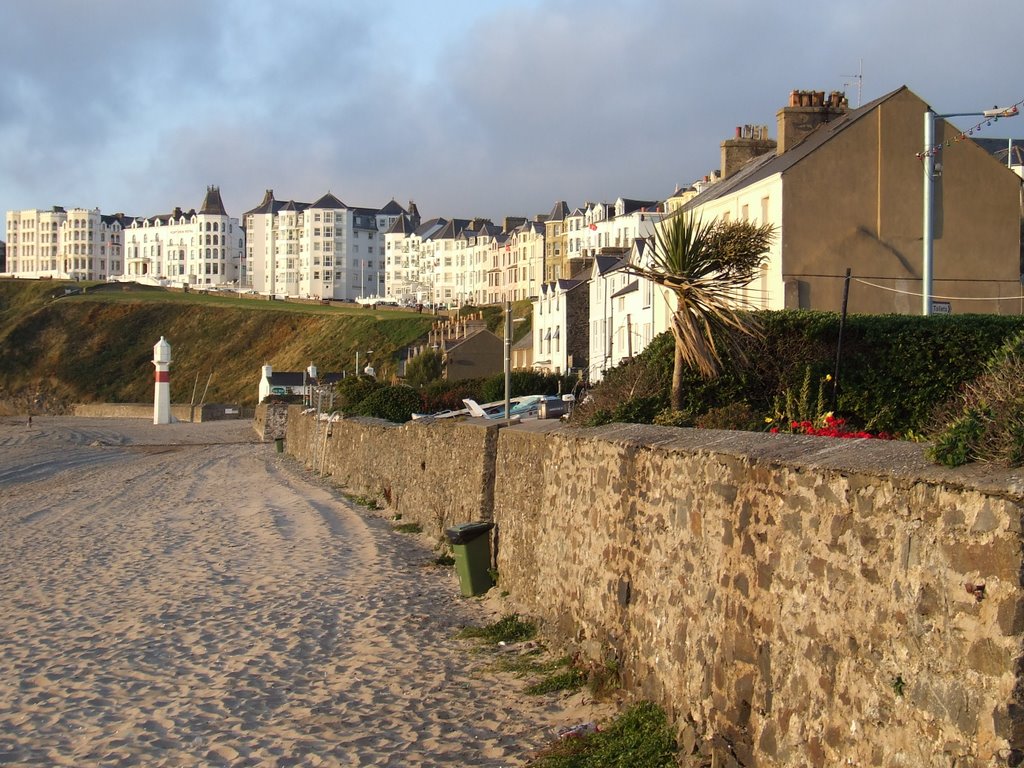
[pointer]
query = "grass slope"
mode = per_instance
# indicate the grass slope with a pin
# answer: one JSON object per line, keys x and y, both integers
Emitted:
{"x": 98, "y": 347}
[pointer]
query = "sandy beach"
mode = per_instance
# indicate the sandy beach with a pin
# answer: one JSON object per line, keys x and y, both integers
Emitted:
{"x": 182, "y": 595}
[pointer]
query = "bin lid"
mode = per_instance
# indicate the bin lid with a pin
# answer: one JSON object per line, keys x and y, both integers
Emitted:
{"x": 463, "y": 533}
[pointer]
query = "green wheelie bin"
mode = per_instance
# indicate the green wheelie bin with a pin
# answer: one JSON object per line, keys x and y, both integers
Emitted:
{"x": 471, "y": 546}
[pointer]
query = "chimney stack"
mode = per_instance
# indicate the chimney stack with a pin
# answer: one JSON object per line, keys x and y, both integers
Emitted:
{"x": 750, "y": 141}
{"x": 805, "y": 112}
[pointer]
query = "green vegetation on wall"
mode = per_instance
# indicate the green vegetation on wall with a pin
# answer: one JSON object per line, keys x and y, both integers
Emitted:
{"x": 895, "y": 371}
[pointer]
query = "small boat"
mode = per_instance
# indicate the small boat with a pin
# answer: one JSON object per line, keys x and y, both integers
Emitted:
{"x": 523, "y": 406}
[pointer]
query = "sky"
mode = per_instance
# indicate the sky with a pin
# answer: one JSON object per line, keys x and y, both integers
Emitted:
{"x": 488, "y": 108}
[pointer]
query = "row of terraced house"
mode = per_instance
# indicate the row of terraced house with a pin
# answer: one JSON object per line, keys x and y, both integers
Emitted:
{"x": 843, "y": 187}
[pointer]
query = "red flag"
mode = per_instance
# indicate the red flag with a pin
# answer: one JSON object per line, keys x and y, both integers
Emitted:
{"x": 593, "y": 226}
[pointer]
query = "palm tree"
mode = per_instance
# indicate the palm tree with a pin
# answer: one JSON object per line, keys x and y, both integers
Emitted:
{"x": 706, "y": 266}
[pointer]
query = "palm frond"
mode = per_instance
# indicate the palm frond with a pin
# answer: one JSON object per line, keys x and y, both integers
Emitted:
{"x": 707, "y": 267}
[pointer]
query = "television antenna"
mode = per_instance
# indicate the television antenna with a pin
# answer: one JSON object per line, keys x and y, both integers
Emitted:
{"x": 859, "y": 77}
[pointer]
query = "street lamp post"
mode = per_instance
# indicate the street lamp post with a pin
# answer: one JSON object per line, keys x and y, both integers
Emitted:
{"x": 929, "y": 191}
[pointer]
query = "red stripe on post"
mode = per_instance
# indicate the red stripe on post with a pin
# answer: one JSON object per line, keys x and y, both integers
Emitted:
{"x": 163, "y": 376}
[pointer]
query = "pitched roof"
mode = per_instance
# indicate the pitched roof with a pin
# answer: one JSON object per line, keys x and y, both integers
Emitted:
{"x": 287, "y": 379}
{"x": 402, "y": 226}
{"x": 526, "y": 342}
{"x": 559, "y": 212}
{"x": 212, "y": 203}
{"x": 628, "y": 206}
{"x": 452, "y": 228}
{"x": 631, "y": 288}
{"x": 328, "y": 202}
{"x": 999, "y": 148}
{"x": 429, "y": 227}
{"x": 115, "y": 218}
{"x": 563, "y": 285}
{"x": 770, "y": 163}
{"x": 266, "y": 205}
{"x": 450, "y": 344}
{"x": 392, "y": 209}
{"x": 489, "y": 229}
{"x": 606, "y": 264}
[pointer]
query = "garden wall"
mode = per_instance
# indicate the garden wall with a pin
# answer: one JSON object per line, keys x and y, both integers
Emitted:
{"x": 790, "y": 600}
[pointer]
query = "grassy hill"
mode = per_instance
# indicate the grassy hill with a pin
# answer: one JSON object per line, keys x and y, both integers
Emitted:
{"x": 97, "y": 346}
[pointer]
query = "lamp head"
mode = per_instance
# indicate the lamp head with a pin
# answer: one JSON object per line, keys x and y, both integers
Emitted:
{"x": 1001, "y": 112}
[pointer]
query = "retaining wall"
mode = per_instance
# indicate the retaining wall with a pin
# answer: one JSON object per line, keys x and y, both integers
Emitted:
{"x": 792, "y": 601}
{"x": 208, "y": 412}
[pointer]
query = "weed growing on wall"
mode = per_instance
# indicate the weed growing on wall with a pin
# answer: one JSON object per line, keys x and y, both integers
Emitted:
{"x": 639, "y": 738}
{"x": 985, "y": 420}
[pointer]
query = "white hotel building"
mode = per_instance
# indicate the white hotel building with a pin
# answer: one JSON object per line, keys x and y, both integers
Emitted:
{"x": 78, "y": 244}
{"x": 194, "y": 248}
{"x": 321, "y": 250}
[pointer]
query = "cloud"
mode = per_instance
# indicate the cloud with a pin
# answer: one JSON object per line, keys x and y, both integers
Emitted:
{"x": 469, "y": 108}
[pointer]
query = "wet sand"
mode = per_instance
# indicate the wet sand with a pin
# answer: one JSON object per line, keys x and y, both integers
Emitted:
{"x": 181, "y": 595}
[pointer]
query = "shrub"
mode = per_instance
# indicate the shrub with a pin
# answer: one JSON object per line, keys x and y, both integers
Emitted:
{"x": 959, "y": 442}
{"x": 894, "y": 371}
{"x": 352, "y": 390}
{"x": 445, "y": 395}
{"x": 668, "y": 417}
{"x": 731, "y": 416}
{"x": 985, "y": 421}
{"x": 392, "y": 402}
{"x": 423, "y": 369}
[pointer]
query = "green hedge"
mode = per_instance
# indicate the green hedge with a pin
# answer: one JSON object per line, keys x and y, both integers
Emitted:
{"x": 895, "y": 370}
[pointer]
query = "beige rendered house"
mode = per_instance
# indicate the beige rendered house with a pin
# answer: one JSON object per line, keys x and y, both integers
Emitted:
{"x": 845, "y": 189}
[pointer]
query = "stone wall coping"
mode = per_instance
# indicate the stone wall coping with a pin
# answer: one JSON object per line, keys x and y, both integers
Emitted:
{"x": 899, "y": 461}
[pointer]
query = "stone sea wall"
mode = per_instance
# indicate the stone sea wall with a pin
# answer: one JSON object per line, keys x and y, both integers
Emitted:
{"x": 437, "y": 475}
{"x": 791, "y": 601}
{"x": 181, "y": 412}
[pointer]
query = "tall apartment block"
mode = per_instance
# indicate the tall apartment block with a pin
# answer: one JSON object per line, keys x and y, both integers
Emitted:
{"x": 322, "y": 250}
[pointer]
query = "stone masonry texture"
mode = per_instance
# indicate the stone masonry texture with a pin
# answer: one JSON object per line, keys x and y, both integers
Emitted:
{"x": 790, "y": 600}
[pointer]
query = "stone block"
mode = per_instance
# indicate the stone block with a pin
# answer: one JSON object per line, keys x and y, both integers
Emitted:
{"x": 765, "y": 575}
{"x": 1011, "y": 615}
{"x": 985, "y": 519}
{"x": 1000, "y": 558}
{"x": 741, "y": 584}
{"x": 989, "y": 658}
